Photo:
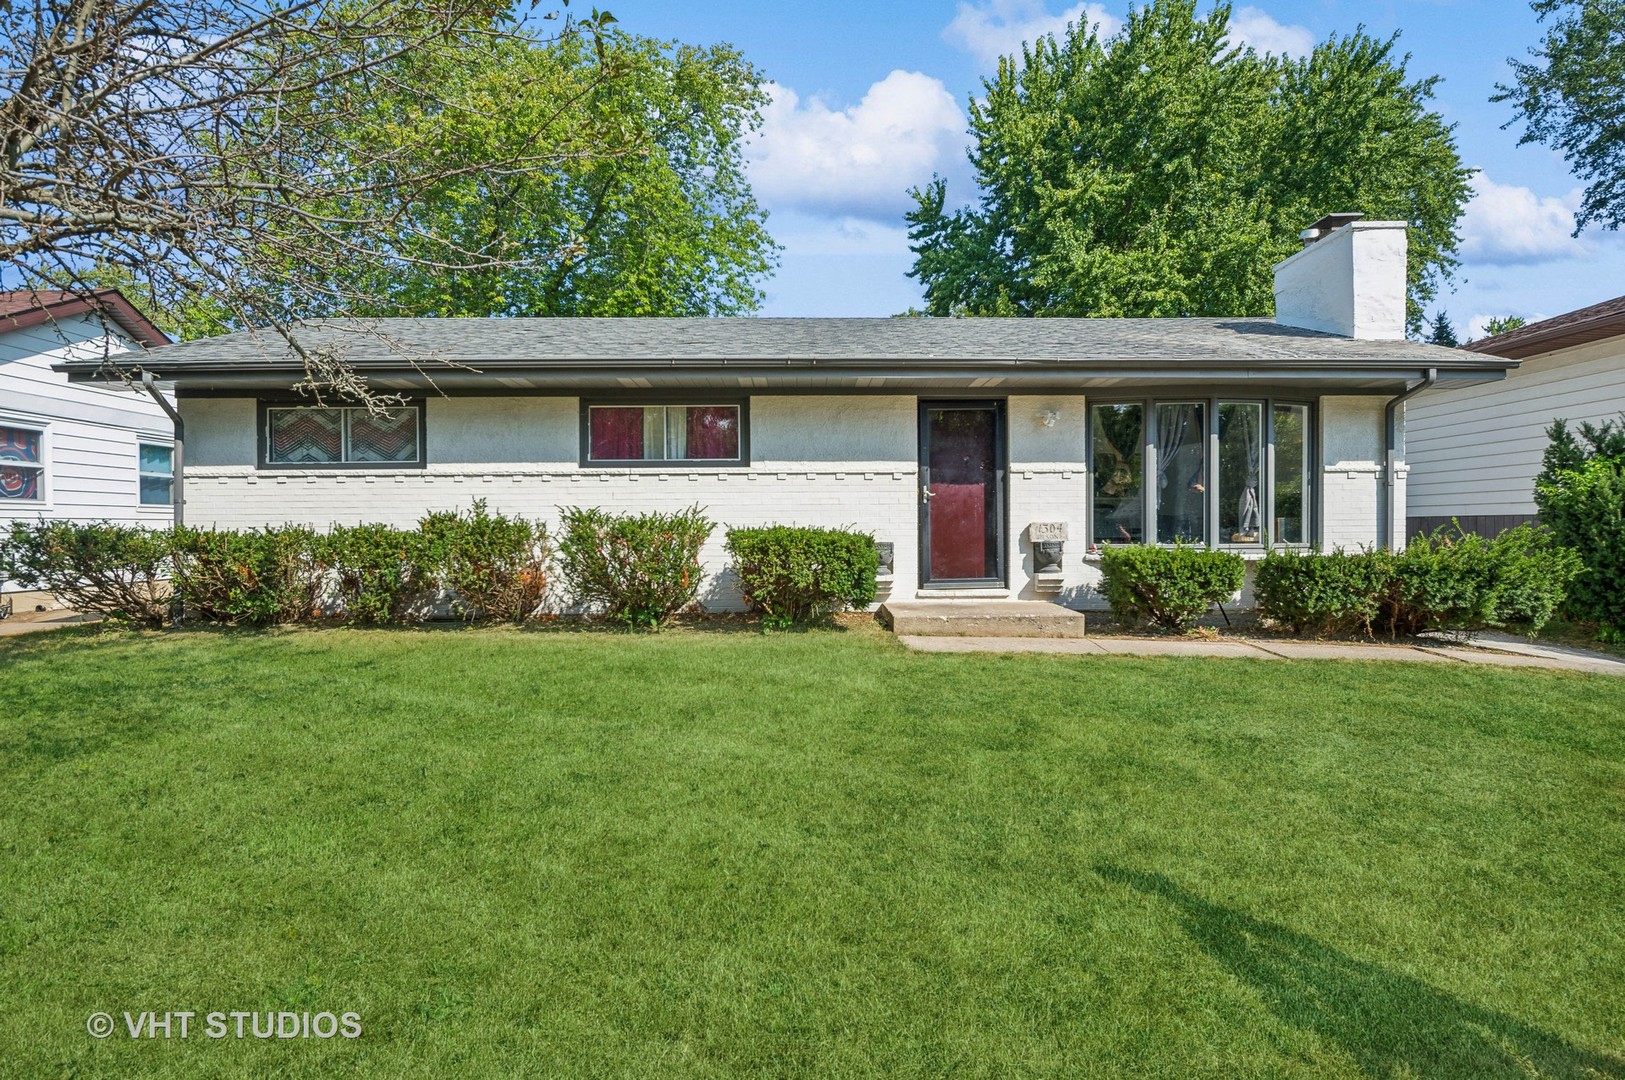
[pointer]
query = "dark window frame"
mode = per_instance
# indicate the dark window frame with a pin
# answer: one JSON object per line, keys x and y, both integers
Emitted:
{"x": 264, "y": 405}
{"x": 654, "y": 400}
{"x": 1150, "y": 449}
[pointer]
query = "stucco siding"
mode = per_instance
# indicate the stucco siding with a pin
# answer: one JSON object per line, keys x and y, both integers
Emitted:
{"x": 219, "y": 432}
{"x": 1476, "y": 450}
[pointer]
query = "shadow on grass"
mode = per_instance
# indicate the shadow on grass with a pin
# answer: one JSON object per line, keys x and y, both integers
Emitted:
{"x": 1393, "y": 1025}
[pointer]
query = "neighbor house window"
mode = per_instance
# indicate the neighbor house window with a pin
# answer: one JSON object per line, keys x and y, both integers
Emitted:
{"x": 22, "y": 464}
{"x": 642, "y": 433}
{"x": 1215, "y": 472}
{"x": 157, "y": 475}
{"x": 319, "y": 436}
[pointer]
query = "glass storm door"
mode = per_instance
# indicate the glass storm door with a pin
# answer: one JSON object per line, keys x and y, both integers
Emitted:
{"x": 962, "y": 493}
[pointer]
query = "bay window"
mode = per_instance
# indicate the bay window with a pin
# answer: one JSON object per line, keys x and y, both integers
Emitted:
{"x": 1216, "y": 472}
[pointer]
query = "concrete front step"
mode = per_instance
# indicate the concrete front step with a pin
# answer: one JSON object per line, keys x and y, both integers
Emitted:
{"x": 981, "y": 618}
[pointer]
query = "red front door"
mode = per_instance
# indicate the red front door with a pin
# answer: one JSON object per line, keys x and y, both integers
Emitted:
{"x": 961, "y": 490}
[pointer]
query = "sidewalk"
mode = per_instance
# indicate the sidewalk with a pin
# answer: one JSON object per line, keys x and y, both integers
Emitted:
{"x": 32, "y": 622}
{"x": 1496, "y": 650}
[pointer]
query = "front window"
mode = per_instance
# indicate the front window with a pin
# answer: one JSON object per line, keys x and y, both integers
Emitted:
{"x": 22, "y": 464}
{"x": 1241, "y": 470}
{"x": 1292, "y": 474}
{"x": 1181, "y": 473}
{"x": 1117, "y": 448}
{"x": 1213, "y": 472}
{"x": 157, "y": 475}
{"x": 321, "y": 436}
{"x": 630, "y": 433}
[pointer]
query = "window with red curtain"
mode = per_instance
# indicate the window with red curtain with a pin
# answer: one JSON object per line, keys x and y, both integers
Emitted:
{"x": 713, "y": 432}
{"x": 616, "y": 434}
{"x": 663, "y": 432}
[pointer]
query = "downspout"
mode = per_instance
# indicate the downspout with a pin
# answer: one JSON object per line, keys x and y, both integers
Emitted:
{"x": 1391, "y": 441}
{"x": 151, "y": 385}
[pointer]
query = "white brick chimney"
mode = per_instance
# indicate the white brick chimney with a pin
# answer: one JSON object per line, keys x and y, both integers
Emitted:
{"x": 1349, "y": 279}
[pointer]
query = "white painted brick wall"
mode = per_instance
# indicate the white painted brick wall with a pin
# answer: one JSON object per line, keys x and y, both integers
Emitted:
{"x": 836, "y": 461}
{"x": 1352, "y": 456}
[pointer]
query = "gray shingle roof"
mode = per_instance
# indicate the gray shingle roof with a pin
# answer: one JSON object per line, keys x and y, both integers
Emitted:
{"x": 547, "y": 341}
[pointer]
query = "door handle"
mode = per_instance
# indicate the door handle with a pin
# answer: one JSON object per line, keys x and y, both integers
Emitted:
{"x": 928, "y": 493}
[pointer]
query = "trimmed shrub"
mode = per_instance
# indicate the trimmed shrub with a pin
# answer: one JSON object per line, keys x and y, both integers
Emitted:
{"x": 638, "y": 569}
{"x": 497, "y": 566}
{"x": 1453, "y": 582}
{"x": 258, "y": 577}
{"x": 1581, "y": 496}
{"x": 794, "y": 574}
{"x": 119, "y": 572}
{"x": 1318, "y": 594}
{"x": 380, "y": 574}
{"x": 1169, "y": 587}
{"x": 1533, "y": 576}
{"x": 1465, "y": 582}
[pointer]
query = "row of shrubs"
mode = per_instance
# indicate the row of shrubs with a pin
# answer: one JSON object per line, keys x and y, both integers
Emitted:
{"x": 1450, "y": 581}
{"x": 636, "y": 569}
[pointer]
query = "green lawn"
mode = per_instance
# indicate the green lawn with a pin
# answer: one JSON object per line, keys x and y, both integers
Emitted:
{"x": 724, "y": 854}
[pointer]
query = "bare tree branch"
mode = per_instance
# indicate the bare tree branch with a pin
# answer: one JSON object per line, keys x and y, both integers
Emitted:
{"x": 248, "y": 158}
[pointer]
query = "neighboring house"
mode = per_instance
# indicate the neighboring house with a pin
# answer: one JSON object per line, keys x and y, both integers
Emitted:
{"x": 980, "y": 451}
{"x": 1475, "y": 451}
{"x": 79, "y": 450}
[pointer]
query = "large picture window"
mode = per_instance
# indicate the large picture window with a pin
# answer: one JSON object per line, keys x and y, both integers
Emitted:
{"x": 22, "y": 464}
{"x": 1216, "y": 472}
{"x": 1117, "y": 449}
{"x": 654, "y": 433}
{"x": 322, "y": 437}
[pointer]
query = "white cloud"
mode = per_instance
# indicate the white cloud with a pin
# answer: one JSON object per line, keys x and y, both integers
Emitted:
{"x": 1505, "y": 223}
{"x": 861, "y": 160}
{"x": 1251, "y": 26}
{"x": 1000, "y": 27}
{"x": 823, "y": 234}
{"x": 1478, "y": 325}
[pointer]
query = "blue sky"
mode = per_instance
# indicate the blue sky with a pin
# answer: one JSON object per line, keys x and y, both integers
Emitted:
{"x": 869, "y": 98}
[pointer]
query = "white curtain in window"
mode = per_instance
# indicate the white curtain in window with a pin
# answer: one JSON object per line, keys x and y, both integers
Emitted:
{"x": 676, "y": 432}
{"x": 654, "y": 433}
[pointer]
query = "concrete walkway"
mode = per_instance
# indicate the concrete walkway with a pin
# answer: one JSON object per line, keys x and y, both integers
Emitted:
{"x": 32, "y": 622}
{"x": 1494, "y": 650}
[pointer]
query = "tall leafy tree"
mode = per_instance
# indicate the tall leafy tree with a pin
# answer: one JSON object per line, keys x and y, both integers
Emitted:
{"x": 1163, "y": 171}
{"x": 666, "y": 226}
{"x": 227, "y": 155}
{"x": 1570, "y": 95}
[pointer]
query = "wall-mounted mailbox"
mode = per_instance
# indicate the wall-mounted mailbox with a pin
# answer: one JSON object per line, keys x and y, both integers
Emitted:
{"x": 1048, "y": 539}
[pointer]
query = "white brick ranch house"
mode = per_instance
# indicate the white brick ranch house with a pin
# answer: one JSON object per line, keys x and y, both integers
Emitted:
{"x": 967, "y": 445}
